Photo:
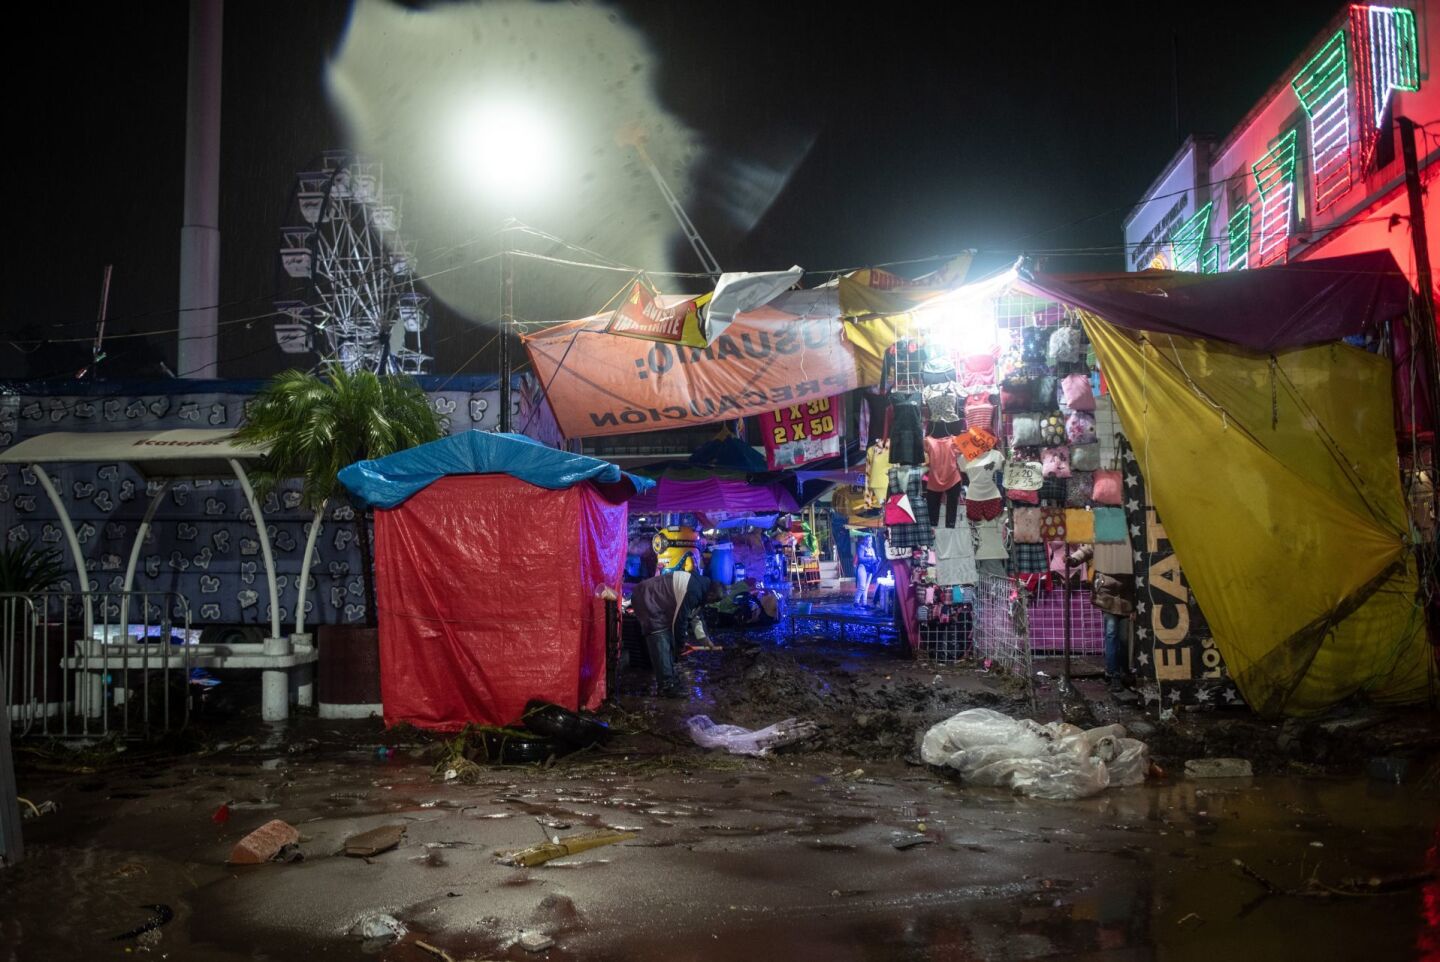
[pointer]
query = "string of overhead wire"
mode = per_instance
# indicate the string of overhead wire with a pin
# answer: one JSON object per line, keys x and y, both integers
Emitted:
{"x": 604, "y": 263}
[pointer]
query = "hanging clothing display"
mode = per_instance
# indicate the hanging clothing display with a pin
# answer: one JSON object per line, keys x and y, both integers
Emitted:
{"x": 955, "y": 556}
{"x": 980, "y": 474}
{"x": 903, "y": 370}
{"x": 907, "y": 429}
{"x": 990, "y": 540}
{"x": 918, "y": 533}
{"x": 942, "y": 464}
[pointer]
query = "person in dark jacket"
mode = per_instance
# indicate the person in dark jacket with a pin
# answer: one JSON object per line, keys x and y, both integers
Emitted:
{"x": 664, "y": 606}
{"x": 1114, "y": 595}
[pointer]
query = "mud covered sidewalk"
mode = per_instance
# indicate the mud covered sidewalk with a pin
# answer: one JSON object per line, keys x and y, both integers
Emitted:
{"x": 841, "y": 848}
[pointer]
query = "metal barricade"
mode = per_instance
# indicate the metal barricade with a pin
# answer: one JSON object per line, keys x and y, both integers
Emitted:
{"x": 73, "y": 662}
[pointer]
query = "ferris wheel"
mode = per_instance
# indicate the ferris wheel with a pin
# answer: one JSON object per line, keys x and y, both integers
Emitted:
{"x": 347, "y": 278}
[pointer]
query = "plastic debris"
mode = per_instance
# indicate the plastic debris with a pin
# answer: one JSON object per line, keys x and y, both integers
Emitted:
{"x": 160, "y": 915}
{"x": 535, "y": 942}
{"x": 743, "y": 741}
{"x": 1218, "y": 768}
{"x": 561, "y": 847}
{"x": 1054, "y": 761}
{"x": 378, "y": 927}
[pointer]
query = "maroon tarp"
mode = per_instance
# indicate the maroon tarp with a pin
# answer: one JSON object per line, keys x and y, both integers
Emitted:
{"x": 1294, "y": 305}
{"x": 486, "y": 589}
{"x": 714, "y": 495}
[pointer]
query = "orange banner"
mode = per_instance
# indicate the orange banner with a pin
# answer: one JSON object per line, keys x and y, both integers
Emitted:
{"x": 600, "y": 384}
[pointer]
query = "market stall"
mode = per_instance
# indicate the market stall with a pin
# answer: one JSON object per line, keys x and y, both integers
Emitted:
{"x": 491, "y": 551}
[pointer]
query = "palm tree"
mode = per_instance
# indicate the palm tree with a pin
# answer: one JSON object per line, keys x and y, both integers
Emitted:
{"x": 315, "y": 426}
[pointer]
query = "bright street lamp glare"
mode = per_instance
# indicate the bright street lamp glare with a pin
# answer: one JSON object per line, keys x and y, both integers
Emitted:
{"x": 507, "y": 150}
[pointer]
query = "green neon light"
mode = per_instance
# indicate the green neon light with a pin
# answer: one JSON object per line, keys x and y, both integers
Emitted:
{"x": 1275, "y": 180}
{"x": 1238, "y": 233}
{"x": 1189, "y": 237}
{"x": 1323, "y": 88}
{"x": 1210, "y": 260}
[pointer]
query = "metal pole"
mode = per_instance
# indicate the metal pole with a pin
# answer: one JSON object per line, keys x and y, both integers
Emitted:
{"x": 200, "y": 230}
{"x": 1065, "y": 664}
{"x": 1421, "y": 245}
{"x": 12, "y": 845}
{"x": 507, "y": 321}
{"x": 1420, "y": 242}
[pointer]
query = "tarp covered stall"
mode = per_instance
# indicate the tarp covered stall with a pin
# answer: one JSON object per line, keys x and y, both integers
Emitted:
{"x": 1268, "y": 449}
{"x": 489, "y": 550}
{"x": 1277, "y": 479}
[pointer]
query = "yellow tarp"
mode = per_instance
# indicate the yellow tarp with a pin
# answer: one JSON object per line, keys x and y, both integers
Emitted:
{"x": 1277, "y": 481}
{"x": 877, "y": 307}
{"x": 871, "y": 337}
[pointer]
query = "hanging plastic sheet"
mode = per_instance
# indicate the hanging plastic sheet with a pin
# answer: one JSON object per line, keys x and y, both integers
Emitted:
{"x": 487, "y": 599}
{"x": 1276, "y": 478}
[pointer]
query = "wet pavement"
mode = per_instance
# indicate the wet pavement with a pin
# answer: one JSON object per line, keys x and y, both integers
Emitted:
{"x": 792, "y": 856}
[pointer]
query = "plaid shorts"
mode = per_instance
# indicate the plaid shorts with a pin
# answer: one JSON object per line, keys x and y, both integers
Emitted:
{"x": 1028, "y": 559}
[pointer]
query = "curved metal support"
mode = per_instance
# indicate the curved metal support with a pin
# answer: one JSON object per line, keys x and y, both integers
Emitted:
{"x": 264, "y": 536}
{"x": 69, "y": 529}
{"x": 140, "y": 534}
{"x": 305, "y": 568}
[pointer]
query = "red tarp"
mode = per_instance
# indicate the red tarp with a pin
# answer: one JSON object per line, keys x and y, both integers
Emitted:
{"x": 486, "y": 589}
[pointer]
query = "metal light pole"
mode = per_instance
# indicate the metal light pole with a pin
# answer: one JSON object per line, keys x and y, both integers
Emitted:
{"x": 507, "y": 320}
{"x": 200, "y": 232}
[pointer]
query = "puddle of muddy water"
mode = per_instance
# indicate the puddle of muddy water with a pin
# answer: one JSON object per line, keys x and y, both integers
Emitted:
{"x": 807, "y": 864}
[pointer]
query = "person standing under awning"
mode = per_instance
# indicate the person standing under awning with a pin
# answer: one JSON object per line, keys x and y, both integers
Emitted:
{"x": 664, "y": 606}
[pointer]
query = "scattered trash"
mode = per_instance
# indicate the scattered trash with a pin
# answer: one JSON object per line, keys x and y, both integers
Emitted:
{"x": 35, "y": 811}
{"x": 563, "y": 725}
{"x": 559, "y": 848}
{"x": 264, "y": 843}
{"x": 1317, "y": 844}
{"x": 375, "y": 841}
{"x": 289, "y": 853}
{"x": 304, "y": 745}
{"x": 270, "y": 764}
{"x": 911, "y": 841}
{"x": 535, "y": 942}
{"x": 162, "y": 914}
{"x": 439, "y": 953}
{"x": 1192, "y": 917}
{"x": 384, "y": 753}
{"x": 743, "y": 741}
{"x": 1388, "y": 768}
{"x": 221, "y": 814}
{"x": 1054, "y": 761}
{"x": 1218, "y": 768}
{"x": 378, "y": 927}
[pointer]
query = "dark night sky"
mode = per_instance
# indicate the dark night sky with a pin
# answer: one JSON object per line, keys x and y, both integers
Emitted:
{"x": 1002, "y": 127}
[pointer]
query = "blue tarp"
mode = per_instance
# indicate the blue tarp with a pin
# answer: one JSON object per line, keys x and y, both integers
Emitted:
{"x": 388, "y": 481}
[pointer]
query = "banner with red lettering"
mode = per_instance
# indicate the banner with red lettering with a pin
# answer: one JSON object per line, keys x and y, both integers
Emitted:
{"x": 790, "y": 351}
{"x": 642, "y": 314}
{"x": 802, "y": 433}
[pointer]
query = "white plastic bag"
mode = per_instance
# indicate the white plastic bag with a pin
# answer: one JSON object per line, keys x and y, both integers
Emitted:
{"x": 743, "y": 741}
{"x": 1055, "y": 761}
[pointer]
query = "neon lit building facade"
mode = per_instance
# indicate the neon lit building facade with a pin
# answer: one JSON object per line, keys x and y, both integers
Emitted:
{"x": 1315, "y": 168}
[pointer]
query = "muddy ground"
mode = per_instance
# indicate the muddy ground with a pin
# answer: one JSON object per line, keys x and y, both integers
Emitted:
{"x": 791, "y": 856}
